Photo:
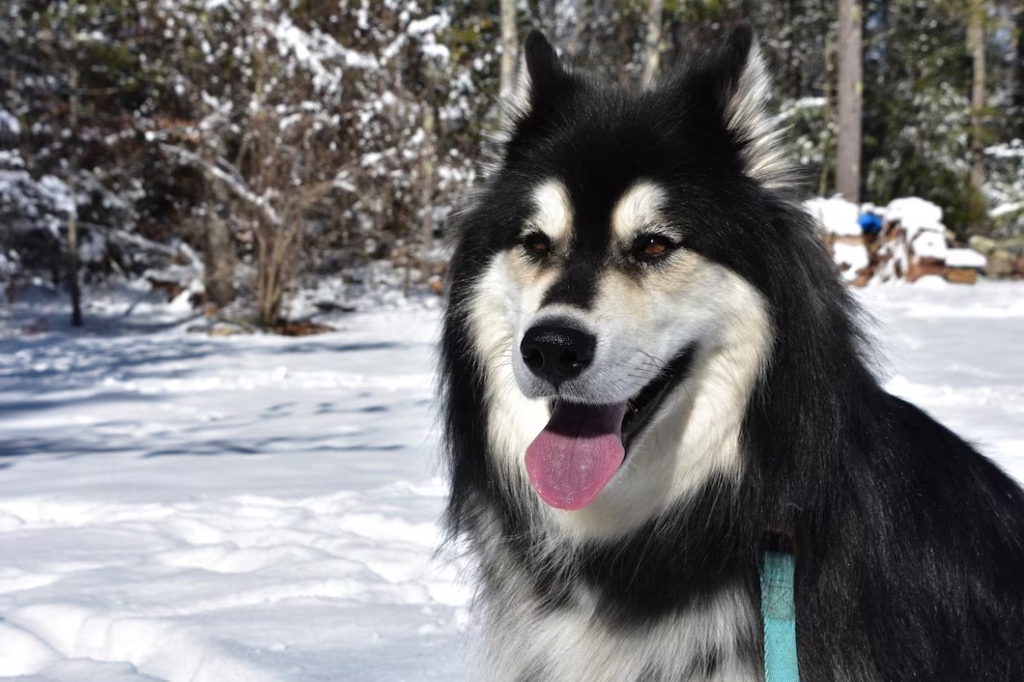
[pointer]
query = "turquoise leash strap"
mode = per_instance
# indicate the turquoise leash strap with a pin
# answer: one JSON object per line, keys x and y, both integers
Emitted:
{"x": 778, "y": 610}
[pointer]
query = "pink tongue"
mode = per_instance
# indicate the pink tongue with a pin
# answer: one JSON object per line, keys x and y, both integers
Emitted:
{"x": 576, "y": 454}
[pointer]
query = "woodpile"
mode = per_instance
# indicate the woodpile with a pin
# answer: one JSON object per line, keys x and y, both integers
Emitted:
{"x": 912, "y": 243}
{"x": 962, "y": 265}
{"x": 843, "y": 237}
{"x": 927, "y": 253}
{"x": 962, "y": 275}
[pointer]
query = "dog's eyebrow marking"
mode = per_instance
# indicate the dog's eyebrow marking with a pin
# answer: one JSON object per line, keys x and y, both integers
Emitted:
{"x": 554, "y": 210}
{"x": 639, "y": 208}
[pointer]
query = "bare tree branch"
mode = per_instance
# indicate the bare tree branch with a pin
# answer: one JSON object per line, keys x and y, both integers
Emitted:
{"x": 231, "y": 182}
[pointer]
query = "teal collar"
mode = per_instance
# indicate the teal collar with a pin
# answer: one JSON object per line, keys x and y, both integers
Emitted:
{"x": 778, "y": 611}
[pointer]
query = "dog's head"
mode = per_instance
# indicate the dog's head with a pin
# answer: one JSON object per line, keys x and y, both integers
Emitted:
{"x": 611, "y": 274}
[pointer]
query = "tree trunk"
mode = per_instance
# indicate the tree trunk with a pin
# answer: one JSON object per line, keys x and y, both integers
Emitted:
{"x": 219, "y": 258}
{"x": 270, "y": 276}
{"x": 849, "y": 92}
{"x": 427, "y": 189}
{"x": 826, "y": 138}
{"x": 509, "y": 47}
{"x": 626, "y": 37}
{"x": 73, "y": 287}
{"x": 72, "y": 275}
{"x": 277, "y": 246}
{"x": 976, "y": 46}
{"x": 652, "y": 47}
{"x": 1017, "y": 98}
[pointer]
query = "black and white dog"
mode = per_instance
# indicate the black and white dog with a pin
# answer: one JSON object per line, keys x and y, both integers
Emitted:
{"x": 649, "y": 364}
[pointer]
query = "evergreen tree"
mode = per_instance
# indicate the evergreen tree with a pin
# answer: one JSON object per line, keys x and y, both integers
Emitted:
{"x": 917, "y": 108}
{"x": 353, "y": 126}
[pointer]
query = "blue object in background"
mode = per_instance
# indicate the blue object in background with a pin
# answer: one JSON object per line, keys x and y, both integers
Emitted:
{"x": 870, "y": 223}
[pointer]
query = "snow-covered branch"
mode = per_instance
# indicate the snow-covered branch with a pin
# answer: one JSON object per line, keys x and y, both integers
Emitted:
{"x": 231, "y": 181}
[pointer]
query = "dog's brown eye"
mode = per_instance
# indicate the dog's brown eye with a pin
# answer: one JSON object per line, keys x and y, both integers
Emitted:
{"x": 652, "y": 247}
{"x": 655, "y": 246}
{"x": 537, "y": 244}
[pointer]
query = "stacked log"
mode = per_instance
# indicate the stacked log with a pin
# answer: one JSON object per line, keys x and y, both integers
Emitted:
{"x": 912, "y": 243}
{"x": 927, "y": 255}
{"x": 921, "y": 234}
{"x": 962, "y": 265}
{"x": 842, "y": 236}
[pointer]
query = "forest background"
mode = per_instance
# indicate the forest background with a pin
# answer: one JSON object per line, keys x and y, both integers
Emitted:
{"x": 244, "y": 150}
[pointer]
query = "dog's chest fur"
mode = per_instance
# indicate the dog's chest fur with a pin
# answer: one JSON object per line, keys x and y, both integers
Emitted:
{"x": 715, "y": 638}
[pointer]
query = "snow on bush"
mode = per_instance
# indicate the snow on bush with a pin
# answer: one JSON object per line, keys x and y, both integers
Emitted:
{"x": 27, "y": 204}
{"x": 1004, "y": 187}
{"x": 9, "y": 123}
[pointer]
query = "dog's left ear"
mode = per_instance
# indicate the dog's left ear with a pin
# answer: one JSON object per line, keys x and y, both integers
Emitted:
{"x": 742, "y": 85}
{"x": 539, "y": 79}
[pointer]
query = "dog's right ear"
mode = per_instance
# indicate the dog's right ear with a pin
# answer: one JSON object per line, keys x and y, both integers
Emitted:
{"x": 540, "y": 76}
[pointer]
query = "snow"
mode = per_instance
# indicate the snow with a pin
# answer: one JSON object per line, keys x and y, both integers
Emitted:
{"x": 930, "y": 245}
{"x": 318, "y": 52}
{"x": 439, "y": 52}
{"x": 431, "y": 24}
{"x": 965, "y": 258}
{"x": 853, "y": 255}
{"x": 10, "y": 159}
{"x": 1006, "y": 209}
{"x": 915, "y": 215}
{"x": 58, "y": 193}
{"x": 9, "y": 264}
{"x": 1011, "y": 150}
{"x": 181, "y": 508}
{"x": 34, "y": 204}
{"x": 837, "y": 215}
{"x": 9, "y": 122}
{"x": 218, "y": 509}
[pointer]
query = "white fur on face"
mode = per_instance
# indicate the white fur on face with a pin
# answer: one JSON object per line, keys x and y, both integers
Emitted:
{"x": 642, "y": 322}
{"x": 506, "y": 297}
{"x": 695, "y": 433}
{"x": 639, "y": 209}
{"x": 553, "y": 215}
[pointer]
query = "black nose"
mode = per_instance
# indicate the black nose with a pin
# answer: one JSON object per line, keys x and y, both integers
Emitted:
{"x": 557, "y": 353}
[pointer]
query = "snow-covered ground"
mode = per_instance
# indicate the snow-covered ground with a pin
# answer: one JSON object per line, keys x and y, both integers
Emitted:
{"x": 192, "y": 509}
